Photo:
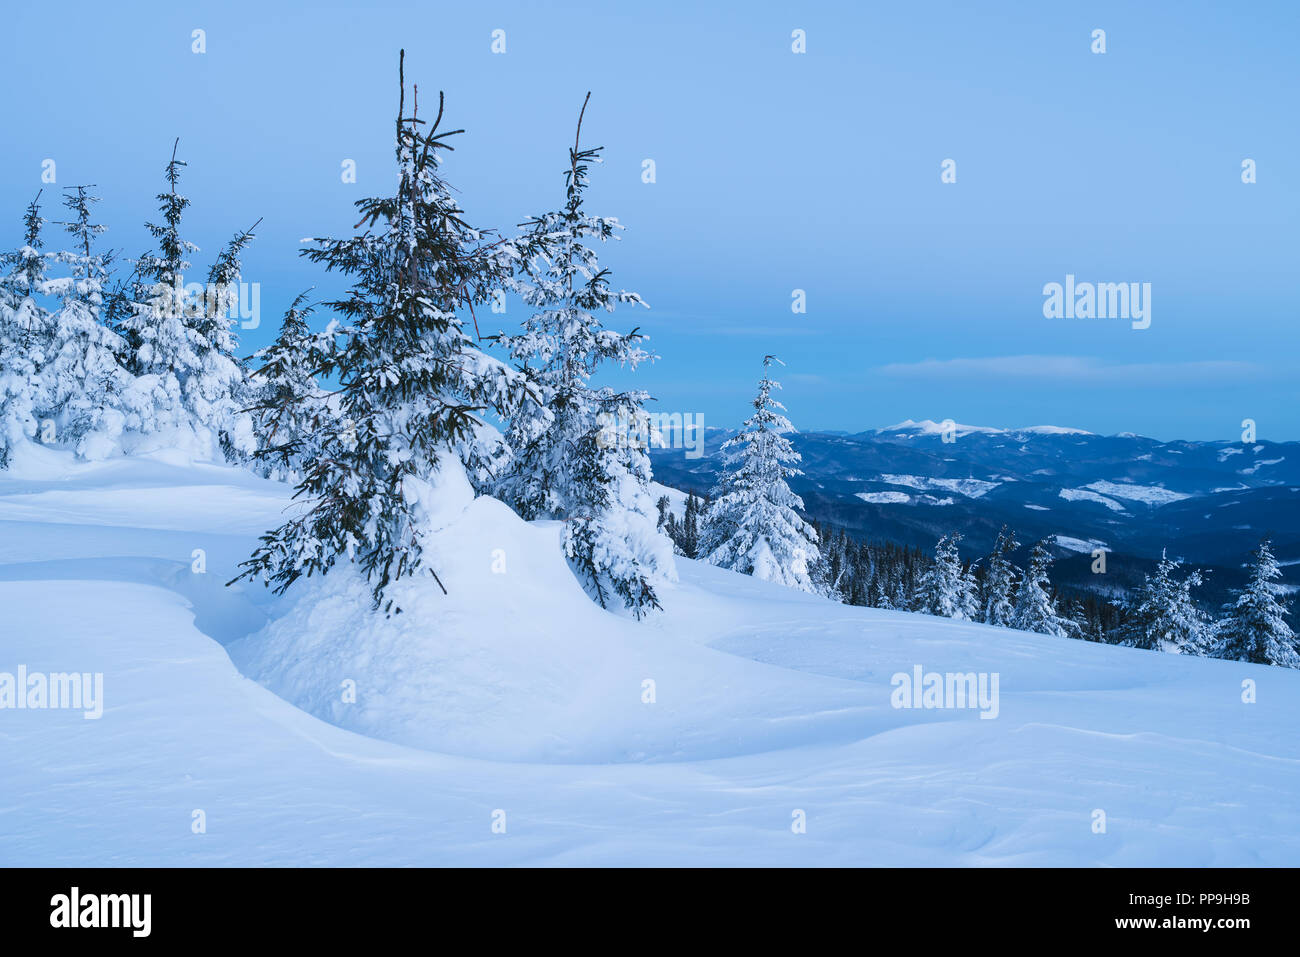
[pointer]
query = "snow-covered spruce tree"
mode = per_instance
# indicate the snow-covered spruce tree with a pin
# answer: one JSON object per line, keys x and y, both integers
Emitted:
{"x": 1091, "y": 626}
{"x": 288, "y": 399}
{"x": 946, "y": 588}
{"x": 832, "y": 574}
{"x": 899, "y": 598}
{"x": 1255, "y": 627}
{"x": 410, "y": 382}
{"x": 690, "y": 527}
{"x": 1074, "y": 620}
{"x": 580, "y": 452}
{"x": 27, "y": 265}
{"x": 1163, "y": 616}
{"x": 189, "y": 380}
{"x": 88, "y": 394}
{"x": 1035, "y": 607}
{"x": 221, "y": 392}
{"x": 24, "y": 332}
{"x": 666, "y": 520}
{"x": 997, "y": 604}
{"x": 157, "y": 318}
{"x": 751, "y": 525}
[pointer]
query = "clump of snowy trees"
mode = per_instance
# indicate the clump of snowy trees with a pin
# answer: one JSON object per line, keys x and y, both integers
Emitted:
{"x": 405, "y": 431}
{"x": 684, "y": 533}
{"x": 147, "y": 363}
{"x": 381, "y": 418}
{"x": 947, "y": 587}
{"x": 1161, "y": 614}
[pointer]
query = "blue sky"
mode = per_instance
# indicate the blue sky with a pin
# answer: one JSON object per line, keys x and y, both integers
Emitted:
{"x": 775, "y": 172}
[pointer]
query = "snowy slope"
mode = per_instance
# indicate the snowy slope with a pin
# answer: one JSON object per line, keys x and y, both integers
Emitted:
{"x": 514, "y": 693}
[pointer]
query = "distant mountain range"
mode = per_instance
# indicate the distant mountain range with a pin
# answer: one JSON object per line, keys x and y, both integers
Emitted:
{"x": 1206, "y": 502}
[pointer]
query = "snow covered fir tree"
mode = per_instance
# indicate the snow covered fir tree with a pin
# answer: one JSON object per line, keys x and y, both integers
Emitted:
{"x": 393, "y": 443}
{"x": 752, "y": 525}
{"x": 24, "y": 325}
{"x": 997, "y": 605}
{"x": 1164, "y": 617}
{"x": 1035, "y": 608}
{"x": 578, "y": 449}
{"x": 947, "y": 588}
{"x": 288, "y": 398}
{"x": 685, "y": 533}
{"x": 1254, "y": 628}
{"x": 181, "y": 346}
{"x": 87, "y": 394}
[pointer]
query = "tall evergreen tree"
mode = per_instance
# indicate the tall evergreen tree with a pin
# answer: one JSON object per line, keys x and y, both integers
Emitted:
{"x": 221, "y": 390}
{"x": 156, "y": 319}
{"x": 690, "y": 526}
{"x": 181, "y": 349}
{"x": 288, "y": 399}
{"x": 1035, "y": 605}
{"x": 751, "y": 525}
{"x": 997, "y": 604}
{"x": 27, "y": 265}
{"x": 24, "y": 334}
{"x": 87, "y": 391}
{"x": 580, "y": 452}
{"x": 1255, "y": 627}
{"x": 404, "y": 418}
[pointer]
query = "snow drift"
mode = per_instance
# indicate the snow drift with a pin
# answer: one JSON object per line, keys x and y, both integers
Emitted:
{"x": 515, "y": 693}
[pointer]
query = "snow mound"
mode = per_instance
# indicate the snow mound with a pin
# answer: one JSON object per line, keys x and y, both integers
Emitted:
{"x": 515, "y": 662}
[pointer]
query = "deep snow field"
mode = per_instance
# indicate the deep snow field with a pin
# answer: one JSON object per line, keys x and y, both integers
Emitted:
{"x": 516, "y": 694}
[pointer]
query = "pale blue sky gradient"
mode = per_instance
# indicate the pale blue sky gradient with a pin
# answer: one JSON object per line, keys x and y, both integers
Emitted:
{"x": 776, "y": 171}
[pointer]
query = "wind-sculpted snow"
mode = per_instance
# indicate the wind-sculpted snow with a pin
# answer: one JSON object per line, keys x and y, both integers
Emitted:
{"x": 515, "y": 693}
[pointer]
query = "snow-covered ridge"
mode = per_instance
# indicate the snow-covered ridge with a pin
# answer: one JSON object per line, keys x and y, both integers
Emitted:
{"x": 930, "y": 427}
